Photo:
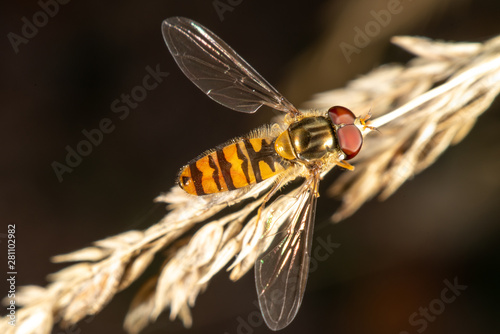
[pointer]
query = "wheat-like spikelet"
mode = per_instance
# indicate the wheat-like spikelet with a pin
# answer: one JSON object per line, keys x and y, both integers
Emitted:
{"x": 419, "y": 110}
{"x": 416, "y": 118}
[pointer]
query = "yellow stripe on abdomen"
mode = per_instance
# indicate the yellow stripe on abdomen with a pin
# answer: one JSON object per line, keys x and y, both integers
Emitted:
{"x": 239, "y": 173}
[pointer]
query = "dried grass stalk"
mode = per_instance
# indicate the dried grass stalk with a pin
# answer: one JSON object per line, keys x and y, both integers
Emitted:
{"x": 419, "y": 108}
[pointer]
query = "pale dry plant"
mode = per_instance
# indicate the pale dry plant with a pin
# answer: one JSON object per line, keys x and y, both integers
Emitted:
{"x": 419, "y": 109}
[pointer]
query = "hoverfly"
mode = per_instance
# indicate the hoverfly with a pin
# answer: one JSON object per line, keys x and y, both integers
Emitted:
{"x": 308, "y": 144}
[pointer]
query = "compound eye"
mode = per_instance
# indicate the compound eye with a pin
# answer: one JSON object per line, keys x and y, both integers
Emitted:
{"x": 350, "y": 140}
{"x": 341, "y": 115}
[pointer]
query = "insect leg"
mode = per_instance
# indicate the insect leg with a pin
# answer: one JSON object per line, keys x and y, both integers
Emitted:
{"x": 344, "y": 164}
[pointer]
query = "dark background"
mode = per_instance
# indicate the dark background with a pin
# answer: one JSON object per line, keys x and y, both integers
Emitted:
{"x": 393, "y": 255}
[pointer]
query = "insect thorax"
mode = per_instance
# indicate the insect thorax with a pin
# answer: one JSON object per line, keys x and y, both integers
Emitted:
{"x": 308, "y": 139}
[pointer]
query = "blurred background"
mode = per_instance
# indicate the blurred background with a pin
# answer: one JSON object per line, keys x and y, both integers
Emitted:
{"x": 394, "y": 256}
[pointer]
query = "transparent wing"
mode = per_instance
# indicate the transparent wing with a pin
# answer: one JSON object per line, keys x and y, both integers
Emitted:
{"x": 218, "y": 70}
{"x": 281, "y": 273}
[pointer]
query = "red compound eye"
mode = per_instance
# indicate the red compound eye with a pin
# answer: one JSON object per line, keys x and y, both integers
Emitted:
{"x": 350, "y": 140}
{"x": 341, "y": 115}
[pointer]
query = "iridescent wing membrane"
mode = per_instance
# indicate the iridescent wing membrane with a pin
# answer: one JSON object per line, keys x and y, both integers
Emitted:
{"x": 218, "y": 70}
{"x": 281, "y": 273}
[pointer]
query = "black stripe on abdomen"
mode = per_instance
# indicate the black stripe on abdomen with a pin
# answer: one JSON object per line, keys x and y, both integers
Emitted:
{"x": 265, "y": 155}
{"x": 196, "y": 175}
{"x": 225, "y": 169}
{"x": 215, "y": 173}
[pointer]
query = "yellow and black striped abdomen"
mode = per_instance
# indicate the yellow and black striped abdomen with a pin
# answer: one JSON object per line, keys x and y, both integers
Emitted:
{"x": 238, "y": 164}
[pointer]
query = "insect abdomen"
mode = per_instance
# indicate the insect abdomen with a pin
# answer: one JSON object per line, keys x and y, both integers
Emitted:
{"x": 233, "y": 166}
